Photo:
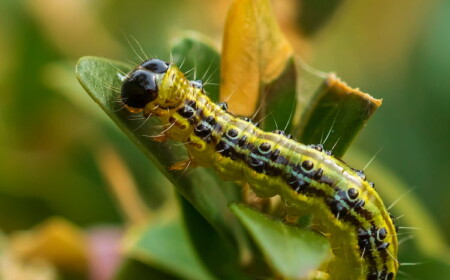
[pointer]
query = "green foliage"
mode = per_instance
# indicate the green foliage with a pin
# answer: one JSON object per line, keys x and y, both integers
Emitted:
{"x": 283, "y": 245}
{"x": 164, "y": 246}
{"x": 54, "y": 138}
{"x": 281, "y": 95}
{"x": 335, "y": 115}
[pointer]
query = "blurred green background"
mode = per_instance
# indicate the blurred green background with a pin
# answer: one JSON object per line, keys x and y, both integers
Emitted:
{"x": 54, "y": 140}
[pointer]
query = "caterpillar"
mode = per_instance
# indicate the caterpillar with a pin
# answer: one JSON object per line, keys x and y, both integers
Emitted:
{"x": 348, "y": 210}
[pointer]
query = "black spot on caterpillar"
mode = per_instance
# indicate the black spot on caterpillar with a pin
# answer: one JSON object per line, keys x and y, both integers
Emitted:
{"x": 307, "y": 178}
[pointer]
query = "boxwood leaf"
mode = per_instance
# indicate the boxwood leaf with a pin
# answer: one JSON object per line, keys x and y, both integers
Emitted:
{"x": 292, "y": 252}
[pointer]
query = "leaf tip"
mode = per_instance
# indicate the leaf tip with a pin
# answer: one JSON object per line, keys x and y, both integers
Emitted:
{"x": 334, "y": 82}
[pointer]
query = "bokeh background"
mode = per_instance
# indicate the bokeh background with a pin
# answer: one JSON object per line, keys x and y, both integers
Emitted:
{"x": 60, "y": 156}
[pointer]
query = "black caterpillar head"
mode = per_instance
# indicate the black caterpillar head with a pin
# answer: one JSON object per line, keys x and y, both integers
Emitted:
{"x": 140, "y": 86}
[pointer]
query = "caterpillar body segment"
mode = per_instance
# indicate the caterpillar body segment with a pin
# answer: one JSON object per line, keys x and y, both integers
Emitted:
{"x": 345, "y": 206}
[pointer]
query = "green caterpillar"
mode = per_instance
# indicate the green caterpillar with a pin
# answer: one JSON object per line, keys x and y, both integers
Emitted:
{"x": 308, "y": 179}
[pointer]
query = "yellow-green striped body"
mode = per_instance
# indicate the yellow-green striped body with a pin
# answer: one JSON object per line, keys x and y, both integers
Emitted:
{"x": 308, "y": 179}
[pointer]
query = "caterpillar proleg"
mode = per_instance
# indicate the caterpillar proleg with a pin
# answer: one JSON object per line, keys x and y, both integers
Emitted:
{"x": 308, "y": 179}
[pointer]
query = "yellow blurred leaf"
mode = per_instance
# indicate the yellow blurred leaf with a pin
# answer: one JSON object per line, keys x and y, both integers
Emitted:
{"x": 122, "y": 185}
{"x": 57, "y": 241}
{"x": 255, "y": 52}
{"x": 14, "y": 269}
{"x": 58, "y": 18}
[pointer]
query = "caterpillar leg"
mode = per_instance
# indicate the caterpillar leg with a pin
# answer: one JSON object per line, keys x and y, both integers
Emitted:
{"x": 182, "y": 165}
{"x": 250, "y": 198}
{"x": 291, "y": 219}
{"x": 160, "y": 138}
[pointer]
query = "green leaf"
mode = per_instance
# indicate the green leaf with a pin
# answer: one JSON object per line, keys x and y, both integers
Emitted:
{"x": 334, "y": 115}
{"x": 216, "y": 252}
{"x": 280, "y": 100}
{"x": 100, "y": 77}
{"x": 196, "y": 53}
{"x": 132, "y": 269}
{"x": 165, "y": 247}
{"x": 291, "y": 251}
